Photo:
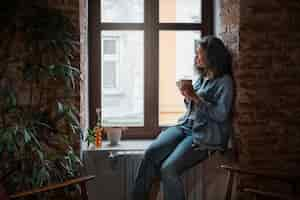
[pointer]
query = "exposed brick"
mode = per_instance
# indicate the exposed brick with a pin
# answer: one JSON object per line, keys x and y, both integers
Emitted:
{"x": 267, "y": 74}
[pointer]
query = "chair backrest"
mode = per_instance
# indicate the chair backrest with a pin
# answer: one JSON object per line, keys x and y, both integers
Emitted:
{"x": 81, "y": 181}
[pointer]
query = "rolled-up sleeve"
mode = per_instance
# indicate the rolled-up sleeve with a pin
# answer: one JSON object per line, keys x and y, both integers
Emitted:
{"x": 186, "y": 102}
{"x": 219, "y": 110}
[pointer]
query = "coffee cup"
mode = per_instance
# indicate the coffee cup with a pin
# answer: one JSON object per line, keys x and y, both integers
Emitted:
{"x": 184, "y": 83}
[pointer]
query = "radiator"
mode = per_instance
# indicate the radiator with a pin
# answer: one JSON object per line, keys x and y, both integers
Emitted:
{"x": 116, "y": 172}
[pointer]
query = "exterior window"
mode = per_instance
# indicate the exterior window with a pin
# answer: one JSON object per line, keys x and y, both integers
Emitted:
{"x": 176, "y": 60}
{"x": 138, "y": 49}
{"x": 122, "y": 97}
{"x": 180, "y": 11}
{"x": 110, "y": 62}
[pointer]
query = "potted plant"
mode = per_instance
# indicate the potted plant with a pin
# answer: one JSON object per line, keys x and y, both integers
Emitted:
{"x": 39, "y": 123}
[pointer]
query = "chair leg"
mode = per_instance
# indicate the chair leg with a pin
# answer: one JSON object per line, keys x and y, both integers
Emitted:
{"x": 294, "y": 188}
{"x": 229, "y": 186}
{"x": 84, "y": 194}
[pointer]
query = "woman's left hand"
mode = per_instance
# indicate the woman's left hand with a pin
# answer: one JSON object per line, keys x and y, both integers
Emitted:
{"x": 191, "y": 95}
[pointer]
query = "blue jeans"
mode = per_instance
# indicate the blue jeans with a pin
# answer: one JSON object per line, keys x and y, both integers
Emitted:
{"x": 167, "y": 158}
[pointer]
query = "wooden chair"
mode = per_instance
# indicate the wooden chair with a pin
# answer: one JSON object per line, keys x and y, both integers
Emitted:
{"x": 81, "y": 181}
{"x": 291, "y": 179}
{"x": 272, "y": 195}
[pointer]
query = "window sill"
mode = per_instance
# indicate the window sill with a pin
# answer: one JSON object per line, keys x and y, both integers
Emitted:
{"x": 124, "y": 145}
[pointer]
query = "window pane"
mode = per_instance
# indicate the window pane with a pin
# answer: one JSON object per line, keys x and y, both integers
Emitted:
{"x": 109, "y": 46}
{"x": 122, "y": 11}
{"x": 123, "y": 105}
{"x": 176, "y": 60}
{"x": 109, "y": 74}
{"x": 180, "y": 11}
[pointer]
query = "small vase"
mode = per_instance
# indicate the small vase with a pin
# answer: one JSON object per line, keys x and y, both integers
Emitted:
{"x": 114, "y": 135}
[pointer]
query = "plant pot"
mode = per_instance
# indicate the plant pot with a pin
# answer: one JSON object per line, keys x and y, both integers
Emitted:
{"x": 114, "y": 135}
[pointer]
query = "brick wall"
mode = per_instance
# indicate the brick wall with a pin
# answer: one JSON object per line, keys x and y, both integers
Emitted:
{"x": 14, "y": 54}
{"x": 267, "y": 69}
{"x": 70, "y": 8}
{"x": 270, "y": 43}
{"x": 229, "y": 14}
{"x": 77, "y": 11}
{"x": 13, "y": 44}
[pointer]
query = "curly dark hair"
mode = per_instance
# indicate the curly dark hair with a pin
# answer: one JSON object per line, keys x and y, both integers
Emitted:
{"x": 218, "y": 57}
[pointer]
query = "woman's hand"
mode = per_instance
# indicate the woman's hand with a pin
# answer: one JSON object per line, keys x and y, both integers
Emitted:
{"x": 190, "y": 94}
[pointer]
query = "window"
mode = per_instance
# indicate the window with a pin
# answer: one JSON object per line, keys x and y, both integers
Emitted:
{"x": 138, "y": 49}
{"x": 122, "y": 78}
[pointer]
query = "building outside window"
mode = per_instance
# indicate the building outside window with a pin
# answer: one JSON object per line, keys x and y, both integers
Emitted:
{"x": 110, "y": 62}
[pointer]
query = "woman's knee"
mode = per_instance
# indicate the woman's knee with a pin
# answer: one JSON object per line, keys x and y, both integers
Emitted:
{"x": 155, "y": 148}
{"x": 150, "y": 153}
{"x": 163, "y": 144}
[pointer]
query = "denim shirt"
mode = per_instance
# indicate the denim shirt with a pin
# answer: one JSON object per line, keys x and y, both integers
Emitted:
{"x": 212, "y": 123}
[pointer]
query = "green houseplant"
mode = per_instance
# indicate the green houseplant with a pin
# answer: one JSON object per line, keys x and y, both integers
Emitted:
{"x": 39, "y": 124}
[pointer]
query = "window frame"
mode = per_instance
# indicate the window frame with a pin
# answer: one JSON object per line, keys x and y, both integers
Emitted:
{"x": 151, "y": 28}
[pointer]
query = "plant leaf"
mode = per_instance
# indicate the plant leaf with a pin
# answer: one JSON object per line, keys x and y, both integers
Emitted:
{"x": 27, "y": 135}
{"x": 60, "y": 108}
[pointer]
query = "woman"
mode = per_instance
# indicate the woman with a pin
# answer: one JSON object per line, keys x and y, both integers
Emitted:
{"x": 205, "y": 126}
